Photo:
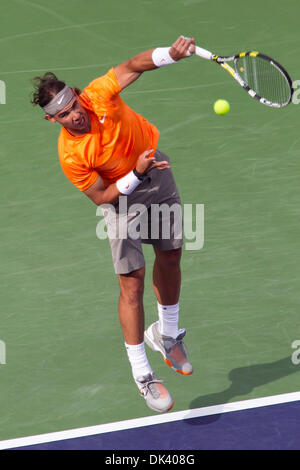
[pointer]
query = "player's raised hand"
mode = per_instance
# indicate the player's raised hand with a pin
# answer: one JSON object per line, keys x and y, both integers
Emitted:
{"x": 146, "y": 163}
{"x": 183, "y": 47}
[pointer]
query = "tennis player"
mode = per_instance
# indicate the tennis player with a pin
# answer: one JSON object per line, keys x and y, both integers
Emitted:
{"x": 107, "y": 150}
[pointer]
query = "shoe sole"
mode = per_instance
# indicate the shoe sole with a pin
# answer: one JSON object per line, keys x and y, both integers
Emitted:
{"x": 154, "y": 347}
{"x": 160, "y": 411}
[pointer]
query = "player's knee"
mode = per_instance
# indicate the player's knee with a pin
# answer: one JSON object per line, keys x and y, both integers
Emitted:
{"x": 132, "y": 286}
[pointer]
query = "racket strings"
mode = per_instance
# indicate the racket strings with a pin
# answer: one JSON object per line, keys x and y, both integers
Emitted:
{"x": 264, "y": 78}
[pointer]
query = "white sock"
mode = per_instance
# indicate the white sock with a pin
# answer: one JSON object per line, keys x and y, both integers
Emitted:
{"x": 138, "y": 360}
{"x": 168, "y": 319}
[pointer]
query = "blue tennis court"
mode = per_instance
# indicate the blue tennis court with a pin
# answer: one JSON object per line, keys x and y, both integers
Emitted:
{"x": 271, "y": 423}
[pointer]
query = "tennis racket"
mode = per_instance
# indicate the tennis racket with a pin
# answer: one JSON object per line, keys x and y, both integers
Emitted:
{"x": 262, "y": 77}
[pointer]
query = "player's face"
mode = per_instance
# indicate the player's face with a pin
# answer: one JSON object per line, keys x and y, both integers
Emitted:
{"x": 74, "y": 117}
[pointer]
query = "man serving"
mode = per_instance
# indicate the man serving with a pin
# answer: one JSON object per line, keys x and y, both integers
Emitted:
{"x": 108, "y": 151}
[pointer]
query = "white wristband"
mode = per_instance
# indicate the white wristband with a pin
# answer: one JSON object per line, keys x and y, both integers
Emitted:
{"x": 128, "y": 183}
{"x": 161, "y": 56}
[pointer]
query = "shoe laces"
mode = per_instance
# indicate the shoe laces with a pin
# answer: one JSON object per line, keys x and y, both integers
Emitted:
{"x": 178, "y": 341}
{"x": 149, "y": 386}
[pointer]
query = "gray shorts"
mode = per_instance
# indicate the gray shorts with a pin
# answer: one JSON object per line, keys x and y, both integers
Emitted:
{"x": 150, "y": 214}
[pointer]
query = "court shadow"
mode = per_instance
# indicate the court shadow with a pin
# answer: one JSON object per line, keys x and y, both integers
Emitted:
{"x": 243, "y": 381}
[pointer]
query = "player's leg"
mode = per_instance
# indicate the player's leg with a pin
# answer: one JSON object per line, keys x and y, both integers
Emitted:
{"x": 131, "y": 314}
{"x": 131, "y": 310}
{"x": 164, "y": 335}
{"x": 129, "y": 262}
{"x": 167, "y": 276}
{"x": 166, "y": 285}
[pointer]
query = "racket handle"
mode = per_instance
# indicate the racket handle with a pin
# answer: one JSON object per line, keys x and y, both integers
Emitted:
{"x": 203, "y": 53}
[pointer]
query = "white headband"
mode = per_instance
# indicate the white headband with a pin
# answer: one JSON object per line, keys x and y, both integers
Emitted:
{"x": 59, "y": 101}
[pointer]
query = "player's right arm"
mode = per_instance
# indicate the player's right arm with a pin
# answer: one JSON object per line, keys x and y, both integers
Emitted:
{"x": 131, "y": 70}
{"x": 99, "y": 194}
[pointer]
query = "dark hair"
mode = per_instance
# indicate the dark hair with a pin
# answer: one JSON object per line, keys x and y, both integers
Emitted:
{"x": 46, "y": 87}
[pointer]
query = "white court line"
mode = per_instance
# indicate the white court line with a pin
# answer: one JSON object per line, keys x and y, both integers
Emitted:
{"x": 61, "y": 28}
{"x": 60, "y": 17}
{"x": 150, "y": 420}
{"x": 191, "y": 87}
{"x": 77, "y": 67}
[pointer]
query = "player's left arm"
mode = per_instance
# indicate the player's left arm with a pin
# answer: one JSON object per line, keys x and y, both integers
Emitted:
{"x": 131, "y": 70}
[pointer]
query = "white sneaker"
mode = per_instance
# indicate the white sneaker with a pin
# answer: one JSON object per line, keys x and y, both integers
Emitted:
{"x": 156, "y": 395}
{"x": 172, "y": 349}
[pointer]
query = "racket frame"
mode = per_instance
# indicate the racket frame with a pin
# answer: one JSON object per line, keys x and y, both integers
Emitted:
{"x": 223, "y": 62}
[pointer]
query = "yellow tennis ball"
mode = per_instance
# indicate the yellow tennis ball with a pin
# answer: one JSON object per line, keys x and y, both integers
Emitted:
{"x": 221, "y": 107}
